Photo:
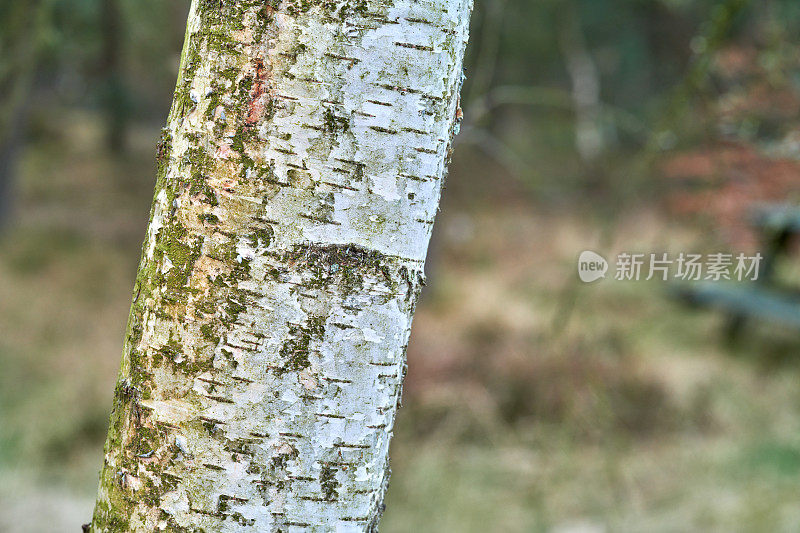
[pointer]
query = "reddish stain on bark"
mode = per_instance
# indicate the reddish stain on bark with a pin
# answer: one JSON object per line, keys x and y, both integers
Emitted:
{"x": 259, "y": 94}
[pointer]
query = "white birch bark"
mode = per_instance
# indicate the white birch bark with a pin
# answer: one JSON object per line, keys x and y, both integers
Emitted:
{"x": 299, "y": 177}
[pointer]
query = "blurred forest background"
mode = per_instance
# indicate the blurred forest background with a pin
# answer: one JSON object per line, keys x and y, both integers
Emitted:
{"x": 533, "y": 402}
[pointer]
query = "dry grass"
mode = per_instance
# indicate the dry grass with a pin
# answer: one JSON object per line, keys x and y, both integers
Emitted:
{"x": 532, "y": 403}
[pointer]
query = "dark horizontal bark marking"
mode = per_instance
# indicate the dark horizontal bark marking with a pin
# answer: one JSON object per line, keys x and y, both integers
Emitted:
{"x": 415, "y": 178}
{"x": 220, "y": 399}
{"x": 253, "y": 294}
{"x": 353, "y": 60}
{"x": 310, "y": 397}
{"x": 340, "y": 186}
{"x": 211, "y": 381}
{"x": 230, "y": 344}
{"x": 279, "y": 184}
{"x": 350, "y": 161}
{"x": 207, "y": 513}
{"x": 320, "y": 220}
{"x": 233, "y": 498}
{"x": 381, "y": 129}
{"x": 259, "y": 218}
{"x": 415, "y": 46}
{"x": 342, "y": 463}
{"x": 380, "y": 17}
{"x": 397, "y": 88}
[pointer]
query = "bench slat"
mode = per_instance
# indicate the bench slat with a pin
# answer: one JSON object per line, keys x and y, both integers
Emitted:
{"x": 756, "y": 302}
{"x": 777, "y": 218}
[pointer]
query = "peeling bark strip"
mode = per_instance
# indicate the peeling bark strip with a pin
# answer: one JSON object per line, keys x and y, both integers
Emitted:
{"x": 299, "y": 176}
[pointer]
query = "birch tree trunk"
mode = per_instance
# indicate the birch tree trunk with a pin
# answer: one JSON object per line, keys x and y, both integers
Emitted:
{"x": 298, "y": 180}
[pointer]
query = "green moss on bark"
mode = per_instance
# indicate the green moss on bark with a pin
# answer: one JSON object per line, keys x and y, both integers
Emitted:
{"x": 345, "y": 266}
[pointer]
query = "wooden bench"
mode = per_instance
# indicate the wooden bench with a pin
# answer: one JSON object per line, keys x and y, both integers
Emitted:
{"x": 765, "y": 299}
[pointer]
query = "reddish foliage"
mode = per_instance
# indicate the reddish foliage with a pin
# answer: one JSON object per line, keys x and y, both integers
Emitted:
{"x": 725, "y": 182}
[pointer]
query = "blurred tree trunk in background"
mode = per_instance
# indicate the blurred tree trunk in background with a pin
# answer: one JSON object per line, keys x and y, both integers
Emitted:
{"x": 115, "y": 96}
{"x": 299, "y": 177}
{"x": 589, "y": 141}
{"x": 21, "y": 33}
